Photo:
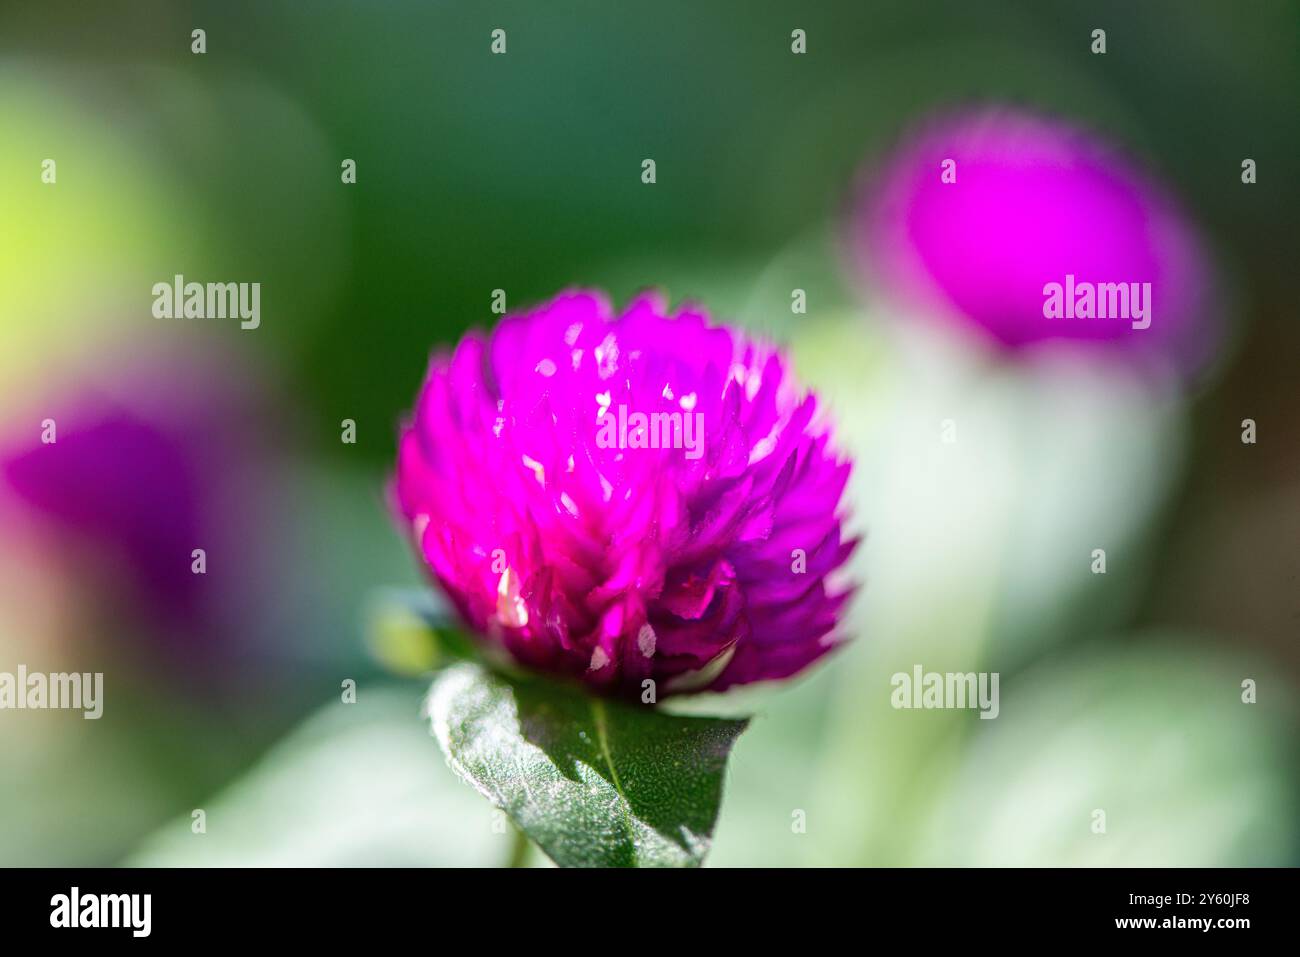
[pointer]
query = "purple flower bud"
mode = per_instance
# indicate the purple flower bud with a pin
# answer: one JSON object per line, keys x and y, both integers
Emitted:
{"x": 978, "y": 214}
{"x": 628, "y": 498}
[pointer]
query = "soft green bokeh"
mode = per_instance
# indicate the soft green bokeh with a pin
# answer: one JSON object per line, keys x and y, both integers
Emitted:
{"x": 1157, "y": 737}
{"x": 358, "y": 784}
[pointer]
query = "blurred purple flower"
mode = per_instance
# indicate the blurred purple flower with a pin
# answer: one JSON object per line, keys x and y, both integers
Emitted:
{"x": 561, "y": 538}
{"x": 1034, "y": 200}
{"x": 116, "y": 477}
{"x": 146, "y": 467}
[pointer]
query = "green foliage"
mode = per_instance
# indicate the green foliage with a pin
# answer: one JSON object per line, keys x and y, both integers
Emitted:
{"x": 595, "y": 783}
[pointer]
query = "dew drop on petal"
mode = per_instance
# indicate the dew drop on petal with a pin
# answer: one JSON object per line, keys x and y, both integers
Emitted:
{"x": 762, "y": 448}
{"x": 511, "y": 609}
{"x": 607, "y": 356}
{"x": 538, "y": 470}
{"x": 645, "y": 640}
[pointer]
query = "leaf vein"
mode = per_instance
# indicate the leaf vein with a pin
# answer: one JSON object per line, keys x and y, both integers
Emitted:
{"x": 602, "y": 737}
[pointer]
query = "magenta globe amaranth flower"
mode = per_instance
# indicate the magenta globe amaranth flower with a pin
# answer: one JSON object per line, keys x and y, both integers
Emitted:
{"x": 983, "y": 215}
{"x": 628, "y": 498}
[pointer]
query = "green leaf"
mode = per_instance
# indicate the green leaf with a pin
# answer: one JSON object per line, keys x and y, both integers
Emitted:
{"x": 411, "y": 632}
{"x": 595, "y": 783}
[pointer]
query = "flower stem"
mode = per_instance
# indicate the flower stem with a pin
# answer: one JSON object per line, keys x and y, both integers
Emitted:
{"x": 520, "y": 849}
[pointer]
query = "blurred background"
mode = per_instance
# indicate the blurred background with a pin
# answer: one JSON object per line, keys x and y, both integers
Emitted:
{"x": 985, "y": 477}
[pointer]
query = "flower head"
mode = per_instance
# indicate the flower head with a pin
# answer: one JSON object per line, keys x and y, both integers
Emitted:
{"x": 977, "y": 212}
{"x": 623, "y": 498}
